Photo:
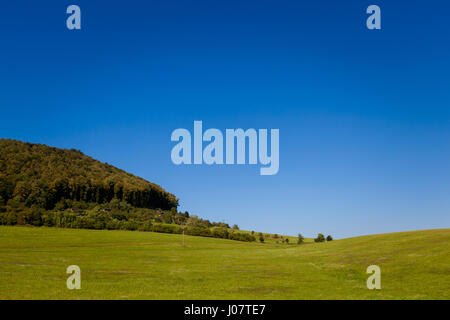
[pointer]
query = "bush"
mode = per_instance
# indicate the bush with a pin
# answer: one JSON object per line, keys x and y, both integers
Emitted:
{"x": 131, "y": 225}
{"x": 113, "y": 224}
{"x": 220, "y": 233}
{"x": 329, "y": 238}
{"x": 167, "y": 228}
{"x": 198, "y": 231}
{"x": 300, "y": 239}
{"x": 8, "y": 218}
{"x": 241, "y": 237}
{"x": 145, "y": 226}
{"x": 261, "y": 238}
{"x": 320, "y": 238}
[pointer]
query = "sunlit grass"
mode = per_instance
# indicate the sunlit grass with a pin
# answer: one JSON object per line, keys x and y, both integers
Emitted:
{"x": 145, "y": 265}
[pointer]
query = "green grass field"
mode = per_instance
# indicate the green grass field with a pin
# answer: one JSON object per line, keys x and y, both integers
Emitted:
{"x": 144, "y": 265}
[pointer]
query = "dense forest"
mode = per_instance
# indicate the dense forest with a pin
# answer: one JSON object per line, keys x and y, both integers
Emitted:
{"x": 47, "y": 186}
{"x": 40, "y": 175}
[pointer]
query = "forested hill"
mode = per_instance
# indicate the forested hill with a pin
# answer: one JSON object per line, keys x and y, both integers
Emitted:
{"x": 36, "y": 174}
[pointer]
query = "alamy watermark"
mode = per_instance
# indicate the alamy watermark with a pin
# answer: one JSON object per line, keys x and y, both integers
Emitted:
{"x": 374, "y": 281}
{"x": 235, "y": 147}
{"x": 374, "y": 20}
{"x": 74, "y": 280}
{"x": 73, "y": 22}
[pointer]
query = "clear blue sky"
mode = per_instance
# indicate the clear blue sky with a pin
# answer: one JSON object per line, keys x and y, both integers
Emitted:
{"x": 364, "y": 116}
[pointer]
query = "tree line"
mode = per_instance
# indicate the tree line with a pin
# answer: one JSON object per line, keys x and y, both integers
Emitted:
{"x": 116, "y": 215}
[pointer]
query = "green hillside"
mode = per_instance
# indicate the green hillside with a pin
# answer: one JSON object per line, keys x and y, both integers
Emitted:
{"x": 52, "y": 187}
{"x": 147, "y": 265}
{"x": 36, "y": 174}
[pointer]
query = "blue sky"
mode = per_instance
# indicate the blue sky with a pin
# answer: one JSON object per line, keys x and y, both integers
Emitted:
{"x": 364, "y": 116}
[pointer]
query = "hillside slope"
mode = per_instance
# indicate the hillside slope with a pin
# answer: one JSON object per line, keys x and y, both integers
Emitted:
{"x": 40, "y": 175}
{"x": 46, "y": 186}
{"x": 146, "y": 265}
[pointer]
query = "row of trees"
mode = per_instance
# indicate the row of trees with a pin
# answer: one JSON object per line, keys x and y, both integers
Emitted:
{"x": 300, "y": 238}
{"x": 320, "y": 238}
{"x": 46, "y": 194}
{"x": 120, "y": 215}
{"x": 98, "y": 218}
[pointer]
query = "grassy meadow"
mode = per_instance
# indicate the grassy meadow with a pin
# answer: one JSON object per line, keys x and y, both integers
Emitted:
{"x": 146, "y": 265}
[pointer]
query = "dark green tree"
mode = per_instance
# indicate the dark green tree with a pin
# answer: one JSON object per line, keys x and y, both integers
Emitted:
{"x": 320, "y": 238}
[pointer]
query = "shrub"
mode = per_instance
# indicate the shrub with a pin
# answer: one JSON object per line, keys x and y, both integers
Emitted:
{"x": 131, "y": 225}
{"x": 113, "y": 224}
{"x": 329, "y": 238}
{"x": 198, "y": 231}
{"x": 241, "y": 237}
{"x": 320, "y": 238}
{"x": 167, "y": 228}
{"x": 8, "y": 218}
{"x": 261, "y": 238}
{"x": 220, "y": 233}
{"x": 145, "y": 226}
{"x": 33, "y": 216}
{"x": 300, "y": 239}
